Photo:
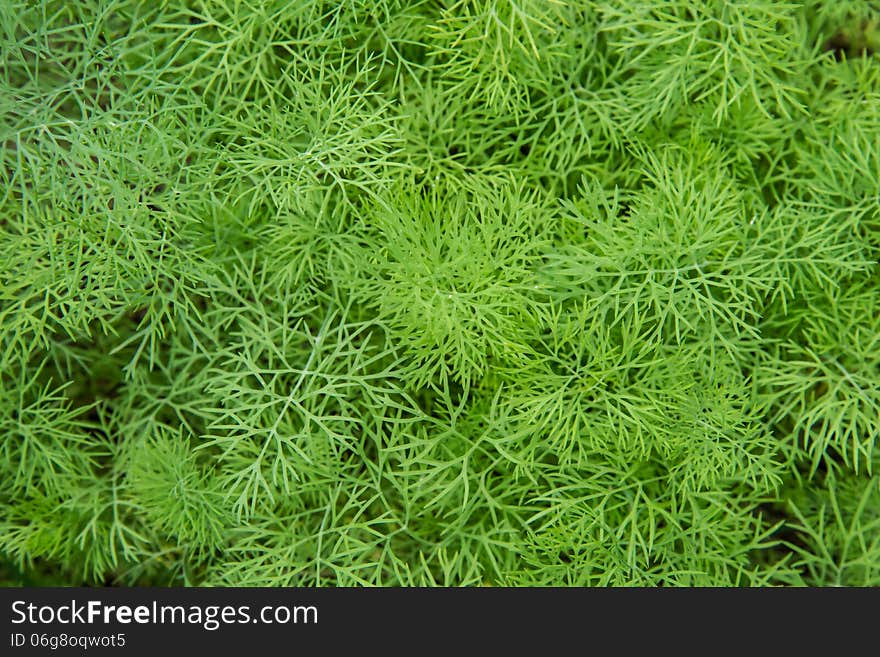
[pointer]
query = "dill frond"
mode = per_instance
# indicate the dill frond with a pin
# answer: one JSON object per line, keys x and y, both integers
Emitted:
{"x": 376, "y": 293}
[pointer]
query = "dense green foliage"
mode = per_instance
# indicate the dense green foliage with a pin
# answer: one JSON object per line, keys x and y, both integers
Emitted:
{"x": 425, "y": 292}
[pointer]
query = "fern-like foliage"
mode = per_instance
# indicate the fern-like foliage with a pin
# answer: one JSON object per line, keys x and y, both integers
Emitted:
{"x": 440, "y": 293}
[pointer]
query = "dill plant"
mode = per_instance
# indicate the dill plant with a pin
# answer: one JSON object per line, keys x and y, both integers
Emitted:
{"x": 405, "y": 292}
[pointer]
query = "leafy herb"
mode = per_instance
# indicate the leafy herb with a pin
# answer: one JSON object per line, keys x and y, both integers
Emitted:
{"x": 513, "y": 292}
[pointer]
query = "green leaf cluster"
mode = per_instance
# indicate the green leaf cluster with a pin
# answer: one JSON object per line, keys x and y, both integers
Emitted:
{"x": 440, "y": 293}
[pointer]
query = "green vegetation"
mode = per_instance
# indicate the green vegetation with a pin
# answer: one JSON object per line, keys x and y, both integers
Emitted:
{"x": 416, "y": 292}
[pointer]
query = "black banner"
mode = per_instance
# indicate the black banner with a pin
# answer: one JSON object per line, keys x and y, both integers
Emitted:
{"x": 407, "y": 621}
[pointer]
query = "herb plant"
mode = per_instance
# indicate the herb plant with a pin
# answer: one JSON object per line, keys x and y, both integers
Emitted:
{"x": 423, "y": 292}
